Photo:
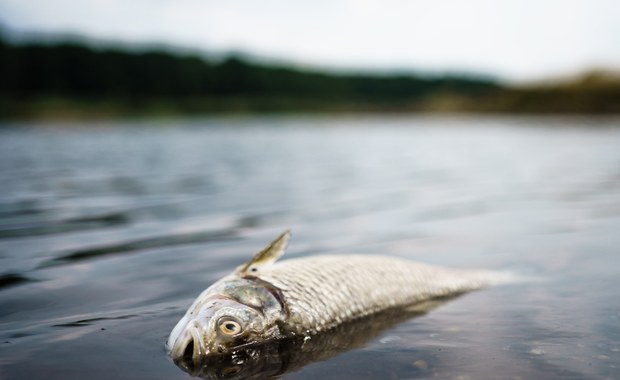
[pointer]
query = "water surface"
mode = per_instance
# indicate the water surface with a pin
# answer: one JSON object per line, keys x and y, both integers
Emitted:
{"x": 108, "y": 230}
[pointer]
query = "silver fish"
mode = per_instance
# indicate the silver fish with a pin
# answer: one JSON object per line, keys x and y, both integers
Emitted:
{"x": 262, "y": 300}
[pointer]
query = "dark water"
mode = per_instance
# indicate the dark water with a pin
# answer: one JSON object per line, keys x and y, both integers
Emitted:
{"x": 109, "y": 230}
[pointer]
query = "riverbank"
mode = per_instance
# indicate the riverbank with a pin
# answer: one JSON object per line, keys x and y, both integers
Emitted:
{"x": 524, "y": 101}
{"x": 65, "y": 80}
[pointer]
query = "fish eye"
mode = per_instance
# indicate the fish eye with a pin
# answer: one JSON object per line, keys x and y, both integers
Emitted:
{"x": 229, "y": 326}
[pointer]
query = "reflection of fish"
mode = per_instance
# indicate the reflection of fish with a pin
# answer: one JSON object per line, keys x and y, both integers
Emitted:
{"x": 264, "y": 301}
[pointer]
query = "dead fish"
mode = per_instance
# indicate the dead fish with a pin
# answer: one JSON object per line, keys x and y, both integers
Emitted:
{"x": 262, "y": 300}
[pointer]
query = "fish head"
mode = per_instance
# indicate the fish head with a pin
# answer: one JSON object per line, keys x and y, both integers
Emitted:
{"x": 225, "y": 318}
{"x": 236, "y": 312}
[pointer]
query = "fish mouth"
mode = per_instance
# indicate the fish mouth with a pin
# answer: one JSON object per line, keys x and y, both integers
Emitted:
{"x": 189, "y": 346}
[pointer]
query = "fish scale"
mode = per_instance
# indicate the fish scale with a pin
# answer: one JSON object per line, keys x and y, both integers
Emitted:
{"x": 321, "y": 292}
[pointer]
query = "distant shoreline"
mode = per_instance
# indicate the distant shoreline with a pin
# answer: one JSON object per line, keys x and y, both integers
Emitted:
{"x": 67, "y": 80}
{"x": 507, "y": 103}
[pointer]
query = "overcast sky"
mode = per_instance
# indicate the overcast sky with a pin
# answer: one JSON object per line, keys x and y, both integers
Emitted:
{"x": 512, "y": 39}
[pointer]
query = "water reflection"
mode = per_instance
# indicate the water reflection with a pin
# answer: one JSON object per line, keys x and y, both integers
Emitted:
{"x": 81, "y": 245}
{"x": 274, "y": 359}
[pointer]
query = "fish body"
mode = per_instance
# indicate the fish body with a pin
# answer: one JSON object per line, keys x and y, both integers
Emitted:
{"x": 263, "y": 300}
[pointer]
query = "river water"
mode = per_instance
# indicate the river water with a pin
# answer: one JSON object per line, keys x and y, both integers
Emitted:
{"x": 109, "y": 230}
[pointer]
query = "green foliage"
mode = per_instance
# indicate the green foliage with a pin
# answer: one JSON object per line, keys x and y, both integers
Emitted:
{"x": 76, "y": 80}
{"x": 73, "y": 70}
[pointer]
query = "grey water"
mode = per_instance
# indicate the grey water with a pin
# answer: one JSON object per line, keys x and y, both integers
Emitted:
{"x": 110, "y": 229}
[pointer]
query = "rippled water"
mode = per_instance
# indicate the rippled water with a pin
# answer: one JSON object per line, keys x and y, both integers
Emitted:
{"x": 109, "y": 230}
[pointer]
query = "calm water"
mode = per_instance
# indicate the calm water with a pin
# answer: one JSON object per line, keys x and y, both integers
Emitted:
{"x": 108, "y": 231}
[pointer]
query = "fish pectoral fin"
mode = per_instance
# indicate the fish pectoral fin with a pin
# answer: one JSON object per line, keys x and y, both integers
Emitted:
{"x": 267, "y": 256}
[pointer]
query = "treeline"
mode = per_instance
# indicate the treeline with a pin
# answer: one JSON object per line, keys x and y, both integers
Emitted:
{"x": 73, "y": 78}
{"x": 74, "y": 71}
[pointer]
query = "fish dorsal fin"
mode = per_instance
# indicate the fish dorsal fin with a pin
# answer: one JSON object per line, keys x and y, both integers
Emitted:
{"x": 267, "y": 256}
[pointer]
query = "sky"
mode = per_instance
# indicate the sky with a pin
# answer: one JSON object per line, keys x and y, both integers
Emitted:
{"x": 516, "y": 40}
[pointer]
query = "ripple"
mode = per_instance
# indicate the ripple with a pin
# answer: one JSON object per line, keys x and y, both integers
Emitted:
{"x": 141, "y": 244}
{"x": 90, "y": 321}
{"x": 12, "y": 279}
{"x": 35, "y": 228}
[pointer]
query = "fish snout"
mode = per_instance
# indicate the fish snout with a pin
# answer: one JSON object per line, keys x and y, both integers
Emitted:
{"x": 189, "y": 345}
